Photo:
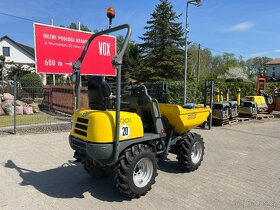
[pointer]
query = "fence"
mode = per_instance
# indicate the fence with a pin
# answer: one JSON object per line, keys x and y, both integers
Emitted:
{"x": 37, "y": 108}
{"x": 61, "y": 98}
{"x": 22, "y": 108}
{"x": 48, "y": 102}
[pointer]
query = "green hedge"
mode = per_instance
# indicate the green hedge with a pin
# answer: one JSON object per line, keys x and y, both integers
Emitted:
{"x": 31, "y": 84}
{"x": 195, "y": 93}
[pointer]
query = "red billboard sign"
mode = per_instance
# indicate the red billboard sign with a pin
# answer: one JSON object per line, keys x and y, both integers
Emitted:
{"x": 56, "y": 49}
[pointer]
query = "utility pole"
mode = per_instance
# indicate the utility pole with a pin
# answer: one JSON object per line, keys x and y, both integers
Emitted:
{"x": 186, "y": 56}
{"x": 198, "y": 64}
{"x": 196, "y": 3}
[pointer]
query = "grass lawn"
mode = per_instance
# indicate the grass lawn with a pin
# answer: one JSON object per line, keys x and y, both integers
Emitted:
{"x": 39, "y": 118}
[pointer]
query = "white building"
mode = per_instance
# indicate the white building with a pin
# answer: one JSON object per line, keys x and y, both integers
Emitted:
{"x": 16, "y": 52}
{"x": 274, "y": 68}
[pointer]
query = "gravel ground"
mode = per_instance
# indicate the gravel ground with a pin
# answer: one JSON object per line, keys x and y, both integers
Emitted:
{"x": 62, "y": 123}
{"x": 48, "y": 128}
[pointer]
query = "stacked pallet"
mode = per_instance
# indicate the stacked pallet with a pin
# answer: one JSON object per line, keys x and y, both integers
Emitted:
{"x": 264, "y": 116}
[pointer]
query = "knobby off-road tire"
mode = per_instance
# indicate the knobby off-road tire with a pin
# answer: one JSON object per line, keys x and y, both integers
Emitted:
{"x": 135, "y": 171}
{"x": 190, "y": 151}
{"x": 95, "y": 170}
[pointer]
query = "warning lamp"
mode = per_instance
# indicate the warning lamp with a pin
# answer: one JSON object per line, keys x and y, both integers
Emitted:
{"x": 111, "y": 14}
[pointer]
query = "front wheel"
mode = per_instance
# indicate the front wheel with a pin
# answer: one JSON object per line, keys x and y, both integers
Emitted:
{"x": 135, "y": 171}
{"x": 190, "y": 151}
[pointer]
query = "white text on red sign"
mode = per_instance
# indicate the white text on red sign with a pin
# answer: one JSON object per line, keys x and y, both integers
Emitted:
{"x": 104, "y": 48}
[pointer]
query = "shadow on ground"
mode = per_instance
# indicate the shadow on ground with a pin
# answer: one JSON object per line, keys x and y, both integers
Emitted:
{"x": 169, "y": 166}
{"x": 71, "y": 181}
{"x": 68, "y": 181}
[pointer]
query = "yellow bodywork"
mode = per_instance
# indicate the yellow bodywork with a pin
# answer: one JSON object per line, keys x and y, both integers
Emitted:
{"x": 99, "y": 126}
{"x": 182, "y": 119}
{"x": 260, "y": 100}
{"x": 247, "y": 111}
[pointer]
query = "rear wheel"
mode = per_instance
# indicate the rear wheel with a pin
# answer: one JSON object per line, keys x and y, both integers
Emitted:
{"x": 135, "y": 171}
{"x": 190, "y": 151}
{"x": 96, "y": 170}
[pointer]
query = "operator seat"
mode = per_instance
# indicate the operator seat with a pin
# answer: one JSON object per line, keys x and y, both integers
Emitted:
{"x": 98, "y": 93}
{"x": 147, "y": 108}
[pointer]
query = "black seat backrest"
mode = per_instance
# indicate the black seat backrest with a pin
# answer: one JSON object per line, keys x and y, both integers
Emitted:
{"x": 98, "y": 93}
{"x": 146, "y": 108}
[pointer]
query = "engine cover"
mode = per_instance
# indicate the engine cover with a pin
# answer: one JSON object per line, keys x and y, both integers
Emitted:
{"x": 99, "y": 126}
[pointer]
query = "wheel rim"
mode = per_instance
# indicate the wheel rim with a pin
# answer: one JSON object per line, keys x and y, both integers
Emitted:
{"x": 143, "y": 172}
{"x": 196, "y": 152}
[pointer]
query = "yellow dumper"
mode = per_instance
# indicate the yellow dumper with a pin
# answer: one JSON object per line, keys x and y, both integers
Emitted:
{"x": 182, "y": 119}
{"x": 128, "y": 134}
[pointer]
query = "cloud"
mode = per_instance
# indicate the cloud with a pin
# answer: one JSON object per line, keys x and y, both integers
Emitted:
{"x": 264, "y": 53}
{"x": 241, "y": 27}
{"x": 259, "y": 54}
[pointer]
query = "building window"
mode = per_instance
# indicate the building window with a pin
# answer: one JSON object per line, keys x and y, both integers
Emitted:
{"x": 273, "y": 74}
{"x": 273, "y": 68}
{"x": 6, "y": 51}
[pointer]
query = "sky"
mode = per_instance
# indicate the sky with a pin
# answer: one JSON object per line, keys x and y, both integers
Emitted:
{"x": 247, "y": 28}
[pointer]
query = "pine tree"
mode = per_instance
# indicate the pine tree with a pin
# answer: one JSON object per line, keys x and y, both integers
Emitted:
{"x": 163, "y": 42}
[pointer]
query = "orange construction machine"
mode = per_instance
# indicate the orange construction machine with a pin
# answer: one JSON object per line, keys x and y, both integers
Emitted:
{"x": 273, "y": 101}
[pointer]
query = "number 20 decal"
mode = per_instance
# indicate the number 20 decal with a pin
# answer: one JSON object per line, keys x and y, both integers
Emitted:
{"x": 125, "y": 131}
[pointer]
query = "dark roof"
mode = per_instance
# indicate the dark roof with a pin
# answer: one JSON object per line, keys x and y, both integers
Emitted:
{"x": 25, "y": 48}
{"x": 273, "y": 61}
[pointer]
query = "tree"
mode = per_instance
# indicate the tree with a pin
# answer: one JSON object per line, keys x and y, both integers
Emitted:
{"x": 2, "y": 60}
{"x": 74, "y": 26}
{"x": 32, "y": 84}
{"x": 18, "y": 70}
{"x": 222, "y": 63}
{"x": 132, "y": 61}
{"x": 204, "y": 62}
{"x": 163, "y": 41}
{"x": 257, "y": 65}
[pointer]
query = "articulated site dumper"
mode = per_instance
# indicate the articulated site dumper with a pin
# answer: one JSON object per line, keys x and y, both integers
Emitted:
{"x": 127, "y": 135}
